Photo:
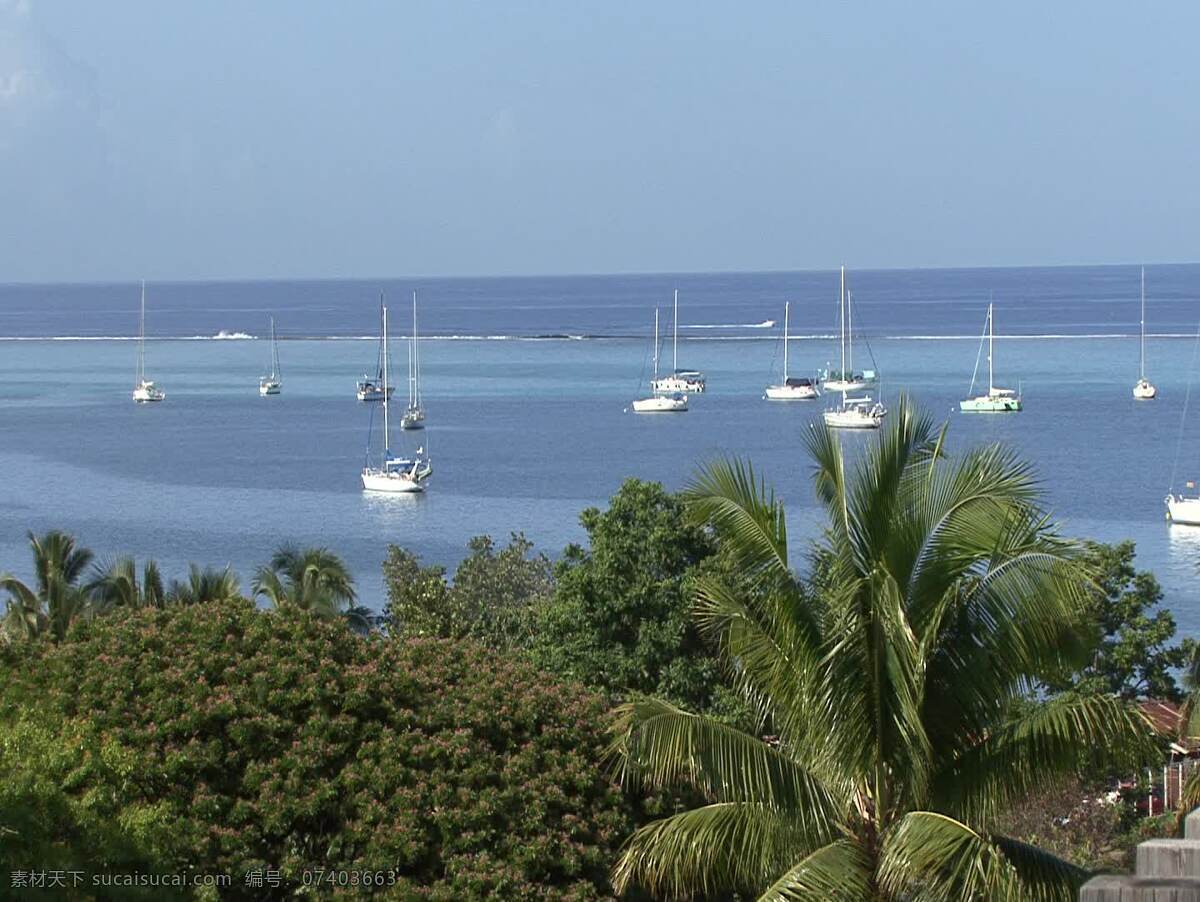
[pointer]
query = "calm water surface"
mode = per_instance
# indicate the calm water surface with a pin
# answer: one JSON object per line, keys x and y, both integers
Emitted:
{"x": 526, "y": 433}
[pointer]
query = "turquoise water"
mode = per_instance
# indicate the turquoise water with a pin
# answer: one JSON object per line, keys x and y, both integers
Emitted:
{"x": 524, "y": 434}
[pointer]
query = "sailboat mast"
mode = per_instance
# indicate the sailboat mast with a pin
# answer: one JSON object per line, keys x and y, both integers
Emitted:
{"x": 274, "y": 352}
{"x": 1142, "y": 365}
{"x": 386, "y": 436}
{"x": 416, "y": 353}
{"x": 655, "y": 344}
{"x": 785, "y": 340}
{"x": 675, "y": 340}
{"x": 850, "y": 332}
{"x": 141, "y": 358}
{"x": 991, "y": 338}
{"x": 842, "y": 321}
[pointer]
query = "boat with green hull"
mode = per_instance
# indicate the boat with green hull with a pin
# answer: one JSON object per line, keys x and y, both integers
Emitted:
{"x": 997, "y": 400}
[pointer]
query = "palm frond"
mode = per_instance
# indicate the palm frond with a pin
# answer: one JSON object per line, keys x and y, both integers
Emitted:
{"x": 838, "y": 872}
{"x": 660, "y": 745}
{"x": 727, "y": 495}
{"x": 1037, "y": 748}
{"x": 718, "y": 848}
{"x": 928, "y": 855}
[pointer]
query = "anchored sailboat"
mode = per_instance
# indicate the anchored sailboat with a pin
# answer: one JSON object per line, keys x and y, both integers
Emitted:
{"x": 801, "y": 389}
{"x": 414, "y": 414}
{"x": 395, "y": 474}
{"x": 997, "y": 400}
{"x": 1144, "y": 390}
{"x": 370, "y": 388}
{"x": 144, "y": 390}
{"x": 844, "y": 378}
{"x": 272, "y": 383}
{"x": 679, "y": 380}
{"x": 661, "y": 400}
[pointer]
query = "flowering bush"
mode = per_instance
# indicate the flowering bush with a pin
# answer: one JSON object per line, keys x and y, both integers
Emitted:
{"x": 224, "y": 739}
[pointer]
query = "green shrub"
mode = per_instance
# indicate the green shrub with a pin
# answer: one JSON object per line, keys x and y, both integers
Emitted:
{"x": 225, "y": 739}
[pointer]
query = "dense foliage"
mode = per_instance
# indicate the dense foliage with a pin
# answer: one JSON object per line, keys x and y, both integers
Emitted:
{"x": 947, "y": 596}
{"x": 1133, "y": 654}
{"x": 222, "y": 738}
{"x": 491, "y": 598}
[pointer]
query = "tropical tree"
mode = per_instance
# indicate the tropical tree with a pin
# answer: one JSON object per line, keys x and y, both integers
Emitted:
{"x": 55, "y": 599}
{"x": 118, "y": 586}
{"x": 887, "y": 686}
{"x": 310, "y": 579}
{"x": 205, "y": 585}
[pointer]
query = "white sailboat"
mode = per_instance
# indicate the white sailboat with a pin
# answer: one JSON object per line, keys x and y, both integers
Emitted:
{"x": 144, "y": 391}
{"x": 660, "y": 400}
{"x": 791, "y": 389}
{"x": 844, "y": 378}
{"x": 679, "y": 380}
{"x": 395, "y": 474}
{"x": 997, "y": 400}
{"x": 414, "y": 414}
{"x": 1144, "y": 390}
{"x": 272, "y": 383}
{"x": 370, "y": 388}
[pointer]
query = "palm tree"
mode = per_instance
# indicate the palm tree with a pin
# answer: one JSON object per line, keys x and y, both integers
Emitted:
{"x": 888, "y": 686}
{"x": 205, "y": 586}
{"x": 117, "y": 586}
{"x": 55, "y": 600}
{"x": 307, "y": 579}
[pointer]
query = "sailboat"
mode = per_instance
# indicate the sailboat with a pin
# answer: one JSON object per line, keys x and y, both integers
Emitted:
{"x": 414, "y": 414}
{"x": 679, "y": 380}
{"x": 272, "y": 383}
{"x": 997, "y": 400}
{"x": 660, "y": 400}
{"x": 144, "y": 390}
{"x": 790, "y": 389}
{"x": 1144, "y": 390}
{"x": 395, "y": 474}
{"x": 844, "y": 378}
{"x": 370, "y": 388}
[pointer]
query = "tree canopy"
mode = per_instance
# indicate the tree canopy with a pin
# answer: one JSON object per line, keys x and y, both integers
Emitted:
{"x": 223, "y": 738}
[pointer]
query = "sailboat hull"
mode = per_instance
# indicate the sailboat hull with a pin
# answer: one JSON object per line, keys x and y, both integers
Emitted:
{"x": 148, "y": 393}
{"x": 790, "y": 393}
{"x": 986, "y": 404}
{"x": 1144, "y": 391}
{"x": 661, "y": 404}
{"x": 1185, "y": 511}
{"x": 390, "y": 482}
{"x": 269, "y": 388}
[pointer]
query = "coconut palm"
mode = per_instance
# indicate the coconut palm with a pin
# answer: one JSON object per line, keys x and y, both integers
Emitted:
{"x": 118, "y": 586}
{"x": 205, "y": 586}
{"x": 307, "y": 579}
{"x": 886, "y": 685}
{"x": 55, "y": 599}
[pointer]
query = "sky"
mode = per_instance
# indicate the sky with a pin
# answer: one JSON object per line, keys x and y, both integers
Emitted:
{"x": 225, "y": 140}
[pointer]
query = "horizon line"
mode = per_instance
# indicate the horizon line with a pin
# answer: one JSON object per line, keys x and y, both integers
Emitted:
{"x": 229, "y": 280}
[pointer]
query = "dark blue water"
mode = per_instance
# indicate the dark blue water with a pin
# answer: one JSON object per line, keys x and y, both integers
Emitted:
{"x": 524, "y": 434}
{"x": 1031, "y": 301}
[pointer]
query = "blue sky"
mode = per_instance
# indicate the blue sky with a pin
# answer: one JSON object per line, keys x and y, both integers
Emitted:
{"x": 280, "y": 139}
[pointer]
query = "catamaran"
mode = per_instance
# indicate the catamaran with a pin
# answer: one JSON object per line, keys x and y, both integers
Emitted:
{"x": 414, "y": 414}
{"x": 679, "y": 380}
{"x": 395, "y": 474}
{"x": 1144, "y": 390}
{"x": 660, "y": 400}
{"x": 791, "y": 389}
{"x": 272, "y": 383}
{"x": 997, "y": 400}
{"x": 144, "y": 390}
{"x": 844, "y": 378}
{"x": 370, "y": 388}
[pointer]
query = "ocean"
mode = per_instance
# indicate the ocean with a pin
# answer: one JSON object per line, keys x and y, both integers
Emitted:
{"x": 527, "y": 382}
